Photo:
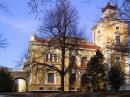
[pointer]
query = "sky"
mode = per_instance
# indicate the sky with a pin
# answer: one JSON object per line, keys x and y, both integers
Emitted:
{"x": 17, "y": 26}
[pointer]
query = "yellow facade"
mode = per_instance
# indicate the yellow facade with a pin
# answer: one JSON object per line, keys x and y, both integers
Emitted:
{"x": 111, "y": 34}
{"x": 44, "y": 78}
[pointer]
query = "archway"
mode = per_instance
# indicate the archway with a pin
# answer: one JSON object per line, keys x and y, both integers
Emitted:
{"x": 83, "y": 62}
{"x": 20, "y": 84}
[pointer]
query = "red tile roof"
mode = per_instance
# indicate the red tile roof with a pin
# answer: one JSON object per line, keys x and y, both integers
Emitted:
{"x": 82, "y": 43}
{"x": 41, "y": 40}
{"x": 89, "y": 45}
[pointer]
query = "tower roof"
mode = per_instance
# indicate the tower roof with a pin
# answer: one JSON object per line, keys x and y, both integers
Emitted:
{"x": 109, "y": 6}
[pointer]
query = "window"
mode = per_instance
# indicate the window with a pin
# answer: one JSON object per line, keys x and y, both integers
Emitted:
{"x": 117, "y": 40}
{"x": 99, "y": 32}
{"x": 47, "y": 57}
{"x": 51, "y": 57}
{"x": 51, "y": 88}
{"x": 117, "y": 60}
{"x": 59, "y": 88}
{"x": 51, "y": 77}
{"x": 117, "y": 28}
{"x": 41, "y": 88}
{"x": 83, "y": 61}
{"x": 73, "y": 60}
{"x": 56, "y": 58}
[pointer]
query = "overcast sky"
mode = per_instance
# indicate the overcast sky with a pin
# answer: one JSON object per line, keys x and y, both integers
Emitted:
{"x": 17, "y": 26}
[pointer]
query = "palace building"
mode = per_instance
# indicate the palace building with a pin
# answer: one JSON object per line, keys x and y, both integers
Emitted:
{"x": 110, "y": 35}
{"x": 43, "y": 78}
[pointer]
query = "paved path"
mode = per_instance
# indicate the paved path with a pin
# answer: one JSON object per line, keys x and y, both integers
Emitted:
{"x": 5, "y": 96}
{"x": 14, "y": 95}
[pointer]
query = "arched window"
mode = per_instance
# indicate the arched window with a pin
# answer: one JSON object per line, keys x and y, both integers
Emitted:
{"x": 73, "y": 60}
{"x": 84, "y": 62}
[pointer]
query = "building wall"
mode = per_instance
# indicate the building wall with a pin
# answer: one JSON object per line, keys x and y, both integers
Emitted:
{"x": 39, "y": 74}
{"x": 104, "y": 35}
{"x": 105, "y": 31}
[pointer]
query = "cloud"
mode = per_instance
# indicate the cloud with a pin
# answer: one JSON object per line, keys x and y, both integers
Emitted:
{"x": 20, "y": 24}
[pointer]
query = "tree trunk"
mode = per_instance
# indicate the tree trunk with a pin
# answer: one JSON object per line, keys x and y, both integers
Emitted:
{"x": 62, "y": 69}
{"x": 62, "y": 83}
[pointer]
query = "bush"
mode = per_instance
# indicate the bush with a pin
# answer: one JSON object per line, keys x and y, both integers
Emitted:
{"x": 116, "y": 78}
{"x": 6, "y": 81}
{"x": 125, "y": 95}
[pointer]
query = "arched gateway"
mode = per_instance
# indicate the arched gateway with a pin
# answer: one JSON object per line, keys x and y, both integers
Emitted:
{"x": 20, "y": 81}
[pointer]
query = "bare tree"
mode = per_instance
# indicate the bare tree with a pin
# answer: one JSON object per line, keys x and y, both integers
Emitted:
{"x": 123, "y": 8}
{"x": 2, "y": 6}
{"x": 38, "y": 7}
{"x": 3, "y": 43}
{"x": 60, "y": 27}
